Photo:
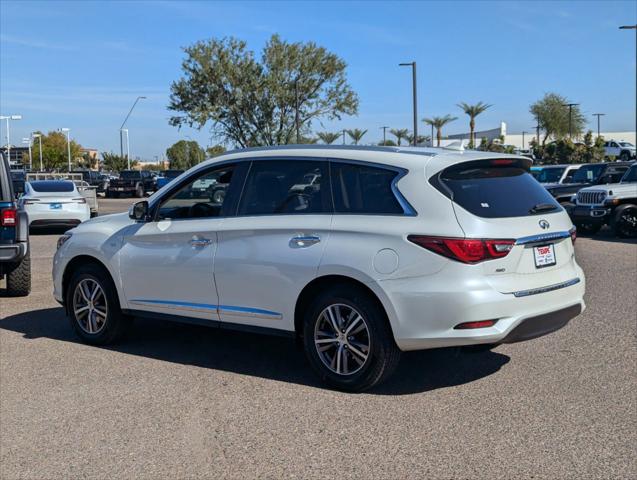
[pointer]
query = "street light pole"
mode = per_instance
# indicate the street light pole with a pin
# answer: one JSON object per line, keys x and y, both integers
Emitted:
{"x": 384, "y": 135}
{"x": 28, "y": 142}
{"x": 598, "y": 115}
{"x": 121, "y": 143}
{"x": 343, "y": 136}
{"x": 632, "y": 27}
{"x": 523, "y": 133}
{"x": 68, "y": 144}
{"x": 39, "y": 137}
{"x": 7, "y": 118}
{"x": 413, "y": 74}
{"x": 570, "y": 117}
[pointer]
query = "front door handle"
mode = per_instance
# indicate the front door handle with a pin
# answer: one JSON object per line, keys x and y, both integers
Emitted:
{"x": 198, "y": 241}
{"x": 304, "y": 241}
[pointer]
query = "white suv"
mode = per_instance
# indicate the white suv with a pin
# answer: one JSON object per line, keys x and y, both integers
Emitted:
{"x": 389, "y": 249}
{"x": 621, "y": 150}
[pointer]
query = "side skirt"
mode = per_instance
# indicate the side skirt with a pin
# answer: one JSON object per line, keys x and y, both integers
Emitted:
{"x": 210, "y": 323}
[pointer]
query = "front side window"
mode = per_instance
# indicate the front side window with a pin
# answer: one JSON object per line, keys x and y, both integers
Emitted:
{"x": 361, "y": 189}
{"x": 286, "y": 187}
{"x": 202, "y": 197}
{"x": 587, "y": 173}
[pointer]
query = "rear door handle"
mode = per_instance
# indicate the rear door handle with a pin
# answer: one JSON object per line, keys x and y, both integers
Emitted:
{"x": 198, "y": 241}
{"x": 304, "y": 241}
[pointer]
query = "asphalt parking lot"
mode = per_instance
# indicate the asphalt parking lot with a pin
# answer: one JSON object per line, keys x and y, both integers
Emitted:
{"x": 181, "y": 401}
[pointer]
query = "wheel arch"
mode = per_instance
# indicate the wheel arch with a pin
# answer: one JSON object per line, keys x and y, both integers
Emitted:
{"x": 80, "y": 261}
{"x": 323, "y": 282}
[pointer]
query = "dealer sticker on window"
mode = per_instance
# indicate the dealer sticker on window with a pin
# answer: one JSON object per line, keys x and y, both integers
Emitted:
{"x": 544, "y": 255}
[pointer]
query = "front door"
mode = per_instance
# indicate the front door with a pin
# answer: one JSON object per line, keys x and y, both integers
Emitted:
{"x": 273, "y": 247}
{"x": 166, "y": 264}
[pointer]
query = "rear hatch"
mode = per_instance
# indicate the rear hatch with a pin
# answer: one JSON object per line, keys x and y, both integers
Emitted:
{"x": 497, "y": 199}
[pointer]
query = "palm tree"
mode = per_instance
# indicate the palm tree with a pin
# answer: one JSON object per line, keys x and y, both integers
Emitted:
{"x": 421, "y": 138}
{"x": 399, "y": 134}
{"x": 438, "y": 123}
{"x": 473, "y": 111}
{"x": 328, "y": 137}
{"x": 356, "y": 135}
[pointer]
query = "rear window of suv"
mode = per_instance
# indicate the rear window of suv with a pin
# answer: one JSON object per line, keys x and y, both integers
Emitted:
{"x": 489, "y": 190}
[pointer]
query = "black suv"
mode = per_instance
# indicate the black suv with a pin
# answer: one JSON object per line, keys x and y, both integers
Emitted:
{"x": 586, "y": 176}
{"x": 15, "y": 262}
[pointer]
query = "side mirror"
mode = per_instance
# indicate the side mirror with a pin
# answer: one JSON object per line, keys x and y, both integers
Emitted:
{"x": 139, "y": 211}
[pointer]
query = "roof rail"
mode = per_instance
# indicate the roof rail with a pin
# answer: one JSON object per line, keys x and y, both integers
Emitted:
{"x": 367, "y": 148}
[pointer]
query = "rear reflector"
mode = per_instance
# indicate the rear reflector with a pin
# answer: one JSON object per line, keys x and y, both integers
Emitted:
{"x": 8, "y": 218}
{"x": 470, "y": 325}
{"x": 466, "y": 250}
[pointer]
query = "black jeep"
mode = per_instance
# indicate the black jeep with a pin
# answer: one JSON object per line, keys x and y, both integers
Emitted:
{"x": 132, "y": 182}
{"x": 15, "y": 261}
{"x": 586, "y": 176}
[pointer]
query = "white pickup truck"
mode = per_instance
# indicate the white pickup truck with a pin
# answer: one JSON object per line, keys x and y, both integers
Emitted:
{"x": 614, "y": 204}
{"x": 619, "y": 149}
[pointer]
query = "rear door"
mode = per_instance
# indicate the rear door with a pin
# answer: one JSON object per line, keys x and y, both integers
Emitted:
{"x": 499, "y": 199}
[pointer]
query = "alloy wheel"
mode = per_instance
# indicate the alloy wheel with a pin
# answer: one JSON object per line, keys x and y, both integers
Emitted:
{"x": 342, "y": 339}
{"x": 89, "y": 306}
{"x": 628, "y": 222}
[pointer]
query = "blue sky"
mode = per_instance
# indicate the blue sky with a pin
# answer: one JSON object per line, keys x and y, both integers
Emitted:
{"x": 81, "y": 64}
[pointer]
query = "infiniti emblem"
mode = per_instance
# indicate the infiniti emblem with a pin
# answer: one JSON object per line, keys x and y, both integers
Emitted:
{"x": 544, "y": 224}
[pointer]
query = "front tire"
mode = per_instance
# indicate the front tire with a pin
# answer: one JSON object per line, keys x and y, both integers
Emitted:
{"x": 93, "y": 306}
{"x": 624, "y": 156}
{"x": 625, "y": 224}
{"x": 348, "y": 340}
{"x": 19, "y": 280}
{"x": 139, "y": 192}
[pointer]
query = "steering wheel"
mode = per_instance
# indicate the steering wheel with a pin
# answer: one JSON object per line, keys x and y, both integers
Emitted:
{"x": 201, "y": 210}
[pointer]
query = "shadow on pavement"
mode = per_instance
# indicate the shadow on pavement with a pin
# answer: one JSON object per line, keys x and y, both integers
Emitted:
{"x": 263, "y": 356}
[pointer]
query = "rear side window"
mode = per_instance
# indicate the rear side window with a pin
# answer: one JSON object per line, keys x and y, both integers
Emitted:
{"x": 492, "y": 191}
{"x": 286, "y": 187}
{"x": 361, "y": 189}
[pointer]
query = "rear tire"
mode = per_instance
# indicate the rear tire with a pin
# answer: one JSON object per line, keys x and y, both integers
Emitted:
{"x": 624, "y": 156}
{"x": 19, "y": 280}
{"x": 359, "y": 356}
{"x": 139, "y": 191}
{"x": 93, "y": 306}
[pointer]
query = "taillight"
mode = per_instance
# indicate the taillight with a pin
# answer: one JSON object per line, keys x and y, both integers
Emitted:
{"x": 79, "y": 200}
{"x": 466, "y": 250}
{"x": 573, "y": 232}
{"x": 9, "y": 217}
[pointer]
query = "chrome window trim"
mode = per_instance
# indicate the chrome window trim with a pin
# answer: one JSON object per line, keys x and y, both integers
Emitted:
{"x": 543, "y": 237}
{"x": 549, "y": 288}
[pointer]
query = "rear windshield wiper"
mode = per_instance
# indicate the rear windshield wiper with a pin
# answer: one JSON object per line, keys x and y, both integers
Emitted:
{"x": 542, "y": 207}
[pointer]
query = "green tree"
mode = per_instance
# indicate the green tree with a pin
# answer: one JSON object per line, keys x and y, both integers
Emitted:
{"x": 185, "y": 154}
{"x": 388, "y": 143}
{"x": 553, "y": 117}
{"x": 215, "y": 150}
{"x": 328, "y": 138}
{"x": 116, "y": 163}
{"x": 356, "y": 135}
{"x": 400, "y": 134}
{"x": 473, "y": 111}
{"x": 55, "y": 152}
{"x": 251, "y": 102}
{"x": 438, "y": 123}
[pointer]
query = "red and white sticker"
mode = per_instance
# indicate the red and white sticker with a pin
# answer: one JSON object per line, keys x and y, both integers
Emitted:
{"x": 544, "y": 255}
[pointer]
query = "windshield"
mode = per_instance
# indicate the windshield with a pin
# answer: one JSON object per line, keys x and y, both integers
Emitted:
{"x": 126, "y": 174}
{"x": 549, "y": 174}
{"x": 625, "y": 144}
{"x": 630, "y": 176}
{"x": 587, "y": 173}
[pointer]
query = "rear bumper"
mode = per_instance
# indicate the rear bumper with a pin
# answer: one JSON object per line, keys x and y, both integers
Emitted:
{"x": 50, "y": 223}
{"x": 13, "y": 253}
{"x": 424, "y": 311}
